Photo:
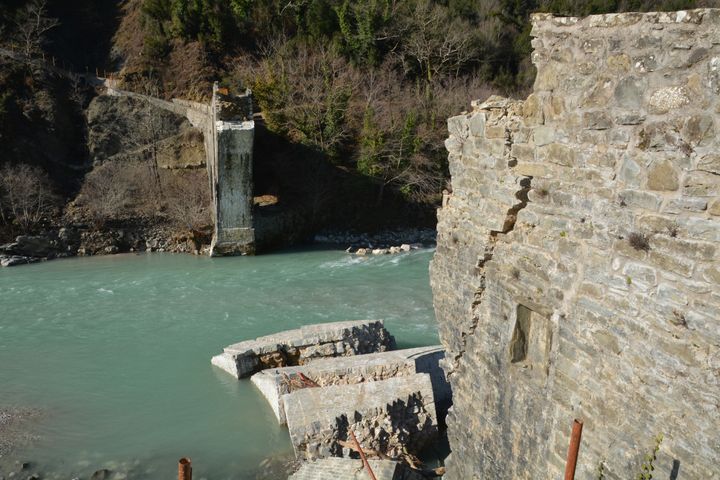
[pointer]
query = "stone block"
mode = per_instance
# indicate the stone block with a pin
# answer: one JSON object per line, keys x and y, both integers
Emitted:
{"x": 533, "y": 169}
{"x": 714, "y": 207}
{"x": 701, "y": 184}
{"x": 663, "y": 176}
{"x": 619, "y": 63}
{"x": 276, "y": 382}
{"x": 302, "y": 345}
{"x": 671, "y": 263}
{"x": 710, "y": 163}
{"x": 639, "y": 199}
{"x": 477, "y": 124}
{"x": 698, "y": 130}
{"x": 686, "y": 204}
{"x": 533, "y": 110}
{"x": 522, "y": 152}
{"x": 387, "y": 416}
{"x": 629, "y": 119}
{"x": 337, "y": 468}
{"x": 666, "y": 99}
{"x": 558, "y": 153}
{"x": 598, "y": 120}
{"x": 629, "y": 93}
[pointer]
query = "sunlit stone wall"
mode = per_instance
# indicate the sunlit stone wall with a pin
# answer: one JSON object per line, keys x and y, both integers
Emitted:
{"x": 577, "y": 270}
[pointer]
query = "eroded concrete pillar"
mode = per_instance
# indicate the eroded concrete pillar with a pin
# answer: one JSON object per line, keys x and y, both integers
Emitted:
{"x": 230, "y": 168}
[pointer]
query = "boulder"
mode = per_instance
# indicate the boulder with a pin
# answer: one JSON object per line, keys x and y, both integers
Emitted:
{"x": 29, "y": 246}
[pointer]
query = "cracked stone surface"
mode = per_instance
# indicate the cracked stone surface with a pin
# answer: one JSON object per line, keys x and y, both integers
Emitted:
{"x": 352, "y": 469}
{"x": 546, "y": 309}
{"x": 302, "y": 345}
{"x": 388, "y": 416}
{"x": 276, "y": 382}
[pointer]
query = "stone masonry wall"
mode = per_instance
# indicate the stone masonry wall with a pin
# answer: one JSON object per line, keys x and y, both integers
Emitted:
{"x": 577, "y": 267}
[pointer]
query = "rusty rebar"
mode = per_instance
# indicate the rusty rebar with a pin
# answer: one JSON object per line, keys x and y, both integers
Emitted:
{"x": 573, "y": 449}
{"x": 184, "y": 469}
{"x": 371, "y": 474}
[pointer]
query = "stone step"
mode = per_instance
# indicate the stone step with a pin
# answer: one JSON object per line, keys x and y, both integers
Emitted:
{"x": 335, "y": 468}
{"x": 387, "y": 416}
{"x": 301, "y": 345}
{"x": 276, "y": 382}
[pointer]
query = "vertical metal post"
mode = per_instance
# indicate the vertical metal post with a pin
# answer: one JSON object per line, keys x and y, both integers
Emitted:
{"x": 184, "y": 469}
{"x": 573, "y": 449}
{"x": 370, "y": 473}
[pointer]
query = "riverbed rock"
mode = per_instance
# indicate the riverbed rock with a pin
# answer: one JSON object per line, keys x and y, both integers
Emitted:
{"x": 102, "y": 474}
{"x": 28, "y": 246}
{"x": 13, "y": 260}
{"x": 423, "y": 236}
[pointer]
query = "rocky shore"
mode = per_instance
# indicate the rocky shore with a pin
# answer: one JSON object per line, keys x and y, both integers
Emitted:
{"x": 391, "y": 241}
{"x": 80, "y": 240}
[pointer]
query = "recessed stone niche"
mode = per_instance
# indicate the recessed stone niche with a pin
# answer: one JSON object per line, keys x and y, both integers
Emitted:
{"x": 530, "y": 342}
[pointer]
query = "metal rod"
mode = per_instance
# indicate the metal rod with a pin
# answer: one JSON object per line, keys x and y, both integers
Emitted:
{"x": 362, "y": 456}
{"x": 573, "y": 449}
{"x": 184, "y": 469}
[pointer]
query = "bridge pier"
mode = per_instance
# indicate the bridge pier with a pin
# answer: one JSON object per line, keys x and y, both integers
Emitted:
{"x": 230, "y": 159}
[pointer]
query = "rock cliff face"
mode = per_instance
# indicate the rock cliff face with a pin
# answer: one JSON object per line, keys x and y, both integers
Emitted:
{"x": 123, "y": 128}
{"x": 577, "y": 267}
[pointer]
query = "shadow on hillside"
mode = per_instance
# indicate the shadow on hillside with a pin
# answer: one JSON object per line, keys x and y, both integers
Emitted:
{"x": 325, "y": 195}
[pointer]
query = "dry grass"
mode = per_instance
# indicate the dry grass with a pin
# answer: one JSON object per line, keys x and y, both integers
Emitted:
{"x": 639, "y": 241}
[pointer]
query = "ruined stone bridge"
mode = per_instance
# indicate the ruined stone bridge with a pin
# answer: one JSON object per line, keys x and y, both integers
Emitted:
{"x": 228, "y": 130}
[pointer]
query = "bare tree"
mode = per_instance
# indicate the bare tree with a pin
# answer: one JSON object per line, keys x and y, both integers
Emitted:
{"x": 188, "y": 200}
{"x": 314, "y": 114}
{"x": 32, "y": 26}
{"x": 401, "y": 140}
{"x": 108, "y": 190}
{"x": 436, "y": 42}
{"x": 26, "y": 196}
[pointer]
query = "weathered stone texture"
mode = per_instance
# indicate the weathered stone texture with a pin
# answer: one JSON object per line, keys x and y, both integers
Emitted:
{"x": 548, "y": 306}
{"x": 335, "y": 468}
{"x": 231, "y": 177}
{"x": 388, "y": 416}
{"x": 304, "y": 344}
{"x": 370, "y": 367}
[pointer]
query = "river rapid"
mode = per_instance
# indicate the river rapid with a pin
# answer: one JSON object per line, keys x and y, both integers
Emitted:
{"x": 114, "y": 352}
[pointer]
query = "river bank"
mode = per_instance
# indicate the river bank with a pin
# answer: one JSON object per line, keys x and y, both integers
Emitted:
{"x": 82, "y": 241}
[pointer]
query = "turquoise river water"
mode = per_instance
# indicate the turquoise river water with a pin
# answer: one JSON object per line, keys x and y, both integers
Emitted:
{"x": 115, "y": 351}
